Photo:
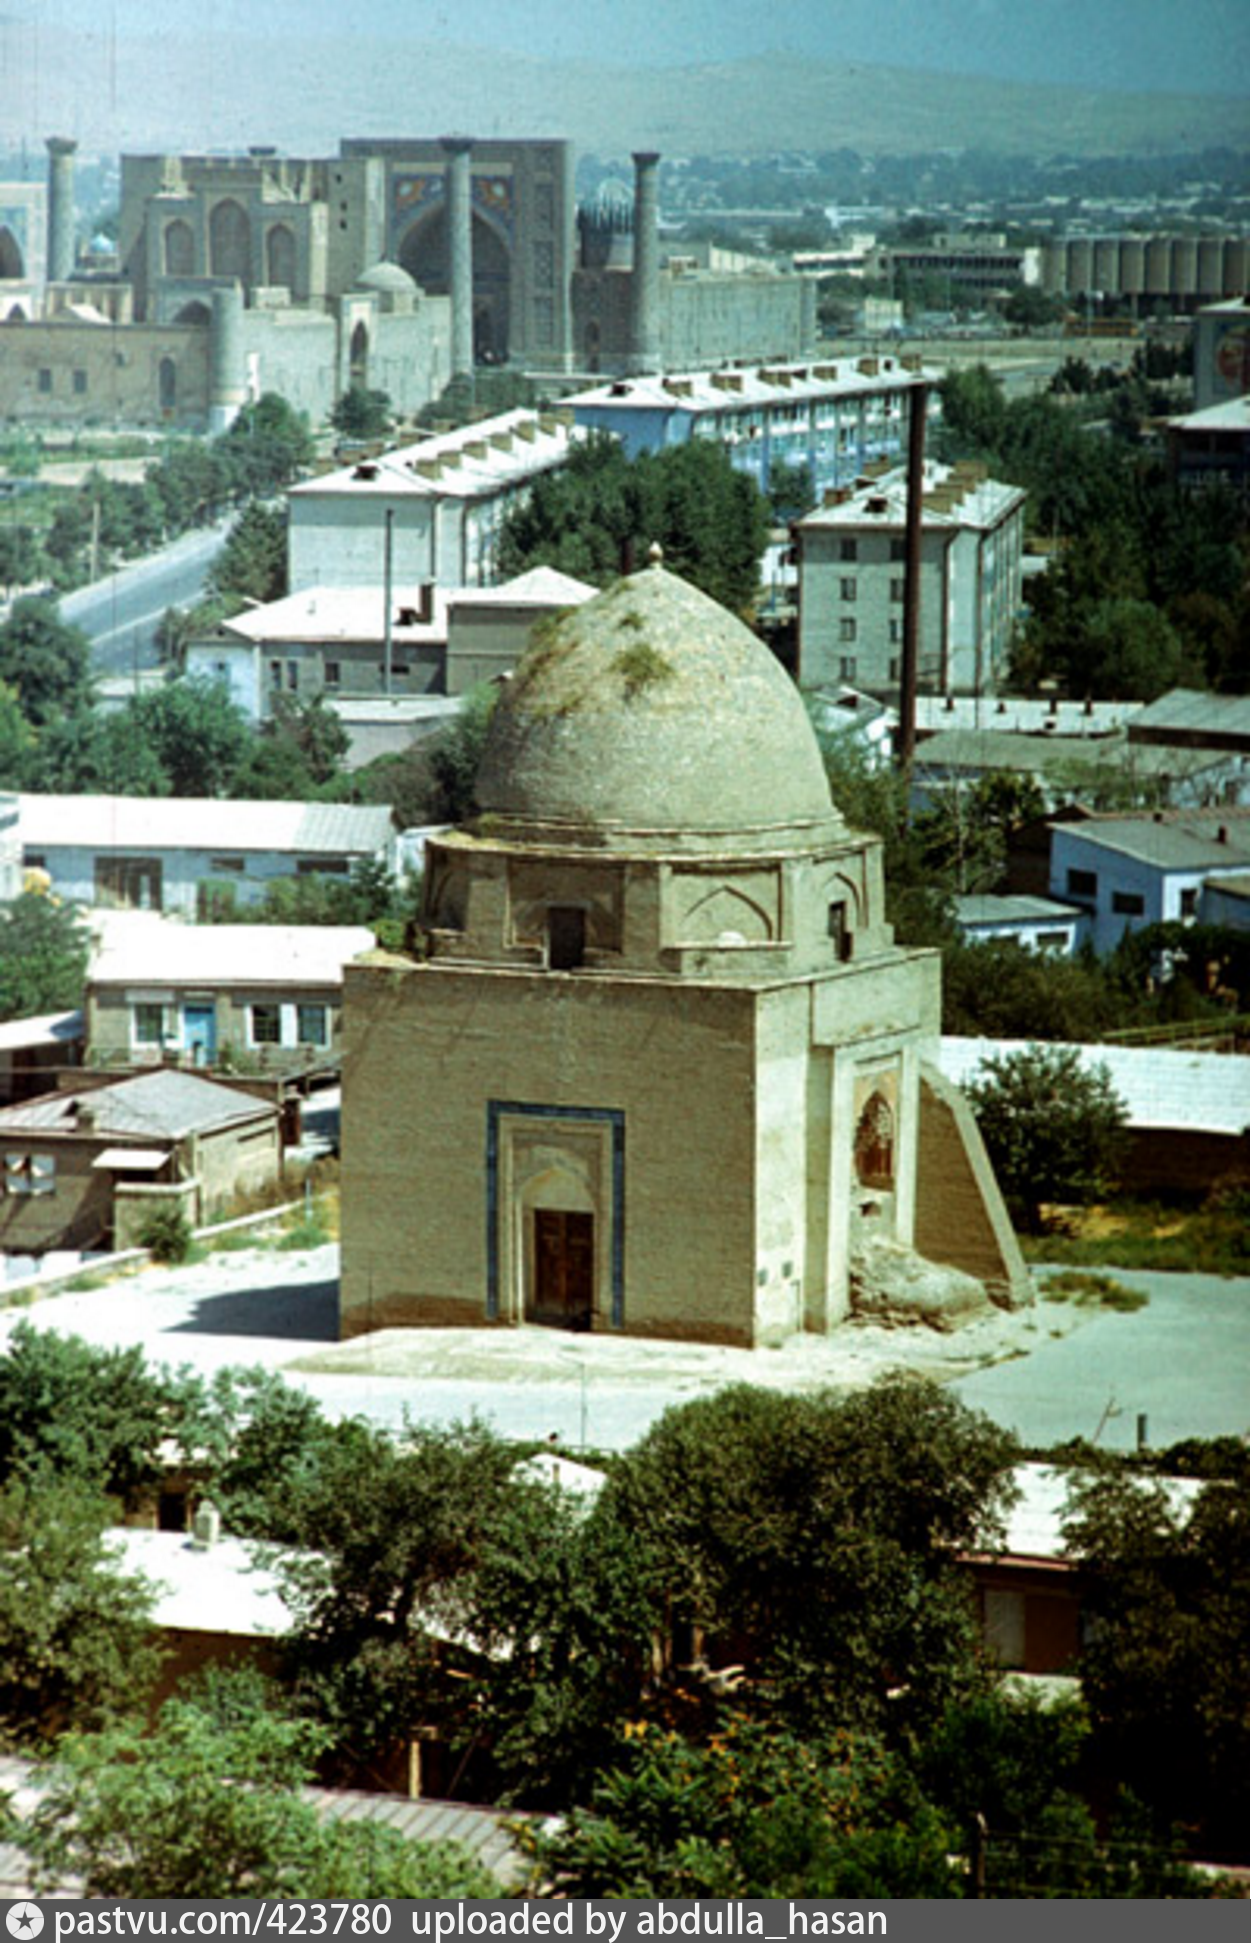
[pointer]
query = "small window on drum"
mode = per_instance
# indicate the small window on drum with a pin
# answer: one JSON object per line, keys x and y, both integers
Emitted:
{"x": 839, "y": 928}
{"x": 566, "y": 937}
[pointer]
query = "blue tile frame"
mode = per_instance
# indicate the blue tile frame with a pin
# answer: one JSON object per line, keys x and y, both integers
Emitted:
{"x": 611, "y": 1116}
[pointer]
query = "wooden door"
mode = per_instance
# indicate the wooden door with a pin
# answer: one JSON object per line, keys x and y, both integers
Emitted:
{"x": 564, "y": 1269}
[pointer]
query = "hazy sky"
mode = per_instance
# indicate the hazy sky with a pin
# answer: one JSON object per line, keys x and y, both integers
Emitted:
{"x": 1174, "y": 45}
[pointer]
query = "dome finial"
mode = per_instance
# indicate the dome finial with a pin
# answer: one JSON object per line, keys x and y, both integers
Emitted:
{"x": 655, "y": 554}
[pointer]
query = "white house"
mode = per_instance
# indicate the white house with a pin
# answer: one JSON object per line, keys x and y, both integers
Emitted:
{"x": 1037, "y": 923}
{"x": 159, "y": 853}
{"x": 429, "y": 513}
{"x": 851, "y": 582}
{"x": 1127, "y": 872}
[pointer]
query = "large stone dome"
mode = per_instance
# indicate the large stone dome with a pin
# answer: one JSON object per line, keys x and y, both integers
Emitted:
{"x": 652, "y": 713}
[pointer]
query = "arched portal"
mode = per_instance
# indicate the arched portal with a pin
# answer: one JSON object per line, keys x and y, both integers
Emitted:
{"x": 280, "y": 256}
{"x": 194, "y": 313}
{"x": 179, "y": 242}
{"x": 423, "y": 252}
{"x": 230, "y": 241}
{"x": 358, "y": 356}
{"x": 12, "y": 264}
{"x": 875, "y": 1143}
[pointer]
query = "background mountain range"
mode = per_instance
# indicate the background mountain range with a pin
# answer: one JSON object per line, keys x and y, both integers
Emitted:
{"x": 158, "y": 90}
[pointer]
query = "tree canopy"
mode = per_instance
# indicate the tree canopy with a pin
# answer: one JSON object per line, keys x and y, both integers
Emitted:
{"x": 44, "y": 950}
{"x": 1052, "y": 1126}
{"x": 43, "y": 659}
{"x": 600, "y": 512}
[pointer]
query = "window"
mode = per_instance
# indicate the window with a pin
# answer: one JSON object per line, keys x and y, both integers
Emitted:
{"x": 897, "y": 588}
{"x": 847, "y": 629}
{"x": 29, "y": 1174}
{"x": 275, "y": 674}
{"x": 1053, "y": 940}
{"x": 293, "y": 676}
{"x": 311, "y": 1025}
{"x": 321, "y": 867}
{"x": 80, "y": 384}
{"x": 894, "y": 668}
{"x": 847, "y": 667}
{"x": 1128, "y": 904}
{"x": 566, "y": 937}
{"x": 331, "y": 675}
{"x": 896, "y": 630}
{"x": 235, "y": 865}
{"x": 839, "y": 930}
{"x": 847, "y": 588}
{"x": 1188, "y": 903}
{"x": 1082, "y": 883}
{"x": 874, "y": 1148}
{"x": 266, "y": 1024}
{"x": 847, "y": 549}
{"x": 45, "y": 378}
{"x": 897, "y": 550}
{"x": 147, "y": 1023}
{"x": 129, "y": 883}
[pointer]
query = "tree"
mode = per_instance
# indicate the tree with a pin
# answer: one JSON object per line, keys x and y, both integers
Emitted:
{"x": 77, "y": 1413}
{"x": 208, "y": 1805}
{"x": 75, "y": 1644}
{"x": 820, "y": 1533}
{"x": 17, "y": 742}
{"x": 791, "y": 492}
{"x": 268, "y": 445}
{"x": 44, "y": 949}
{"x": 399, "y": 1532}
{"x": 85, "y": 753}
{"x": 454, "y": 755}
{"x": 362, "y": 413}
{"x": 756, "y": 1812}
{"x": 1032, "y": 308}
{"x": 1052, "y": 1126}
{"x": 196, "y": 732}
{"x": 1165, "y": 1666}
{"x": 44, "y": 660}
{"x": 252, "y": 565}
{"x": 600, "y": 510}
{"x": 19, "y": 557}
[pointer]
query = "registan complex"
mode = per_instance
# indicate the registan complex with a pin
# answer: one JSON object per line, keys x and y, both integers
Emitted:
{"x": 398, "y": 264}
{"x": 655, "y": 1064}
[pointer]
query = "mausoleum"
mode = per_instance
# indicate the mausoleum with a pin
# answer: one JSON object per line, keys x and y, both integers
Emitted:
{"x": 656, "y": 1064}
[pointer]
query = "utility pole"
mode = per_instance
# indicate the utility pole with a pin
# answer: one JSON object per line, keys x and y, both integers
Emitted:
{"x": 905, "y": 747}
{"x": 388, "y": 524}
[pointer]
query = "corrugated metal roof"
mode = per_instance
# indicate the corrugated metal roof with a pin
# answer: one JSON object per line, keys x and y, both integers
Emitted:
{"x": 743, "y": 388}
{"x": 1189, "y": 710}
{"x": 150, "y": 825}
{"x": 139, "y": 948}
{"x": 472, "y": 462}
{"x": 1170, "y": 844}
{"x": 990, "y": 909}
{"x": 48, "y": 1029}
{"x": 166, "y": 1104}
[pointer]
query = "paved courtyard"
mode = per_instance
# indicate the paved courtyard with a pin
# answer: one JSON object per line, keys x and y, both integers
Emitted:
{"x": 1049, "y": 1373}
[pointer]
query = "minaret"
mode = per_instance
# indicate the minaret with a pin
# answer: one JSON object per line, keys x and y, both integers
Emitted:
{"x": 460, "y": 251}
{"x": 60, "y": 208}
{"x": 228, "y": 388}
{"x": 645, "y": 287}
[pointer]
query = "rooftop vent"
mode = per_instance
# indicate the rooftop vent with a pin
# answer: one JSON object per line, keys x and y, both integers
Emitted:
{"x": 365, "y": 471}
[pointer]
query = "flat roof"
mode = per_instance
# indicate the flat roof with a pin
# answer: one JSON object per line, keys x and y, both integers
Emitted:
{"x": 740, "y": 388}
{"x": 951, "y": 497}
{"x": 335, "y": 615}
{"x": 141, "y": 949}
{"x": 1034, "y": 1525}
{"x": 474, "y": 461}
{"x": 150, "y": 825}
{"x": 220, "y": 1588}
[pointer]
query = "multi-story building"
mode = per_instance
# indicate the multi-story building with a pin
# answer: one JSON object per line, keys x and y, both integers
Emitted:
{"x": 851, "y": 582}
{"x": 972, "y": 267}
{"x": 430, "y": 513}
{"x": 834, "y": 417}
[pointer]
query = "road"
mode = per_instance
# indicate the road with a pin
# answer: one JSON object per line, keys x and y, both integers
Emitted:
{"x": 119, "y": 615}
